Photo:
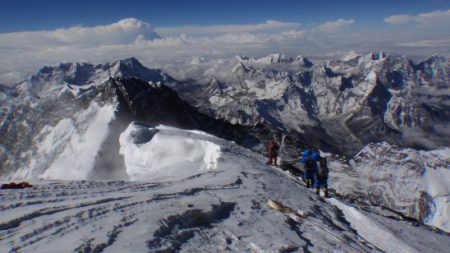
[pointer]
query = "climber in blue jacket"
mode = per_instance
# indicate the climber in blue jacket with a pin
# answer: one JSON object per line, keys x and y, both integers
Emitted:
{"x": 310, "y": 166}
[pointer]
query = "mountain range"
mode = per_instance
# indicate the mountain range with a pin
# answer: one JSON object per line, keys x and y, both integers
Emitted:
{"x": 381, "y": 120}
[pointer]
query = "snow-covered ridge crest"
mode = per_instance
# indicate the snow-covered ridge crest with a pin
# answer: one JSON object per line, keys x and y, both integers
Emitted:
{"x": 167, "y": 153}
{"x": 228, "y": 205}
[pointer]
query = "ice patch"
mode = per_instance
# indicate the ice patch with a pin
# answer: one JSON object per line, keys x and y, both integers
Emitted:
{"x": 170, "y": 154}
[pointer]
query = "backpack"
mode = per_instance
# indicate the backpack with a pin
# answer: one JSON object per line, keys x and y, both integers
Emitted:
{"x": 323, "y": 168}
{"x": 275, "y": 146}
{"x": 272, "y": 147}
{"x": 310, "y": 164}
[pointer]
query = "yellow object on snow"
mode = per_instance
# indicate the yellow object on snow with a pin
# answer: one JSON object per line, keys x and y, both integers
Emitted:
{"x": 278, "y": 206}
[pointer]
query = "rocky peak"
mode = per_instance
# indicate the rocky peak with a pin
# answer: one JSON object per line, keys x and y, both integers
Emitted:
{"x": 131, "y": 67}
{"x": 275, "y": 58}
{"x": 303, "y": 61}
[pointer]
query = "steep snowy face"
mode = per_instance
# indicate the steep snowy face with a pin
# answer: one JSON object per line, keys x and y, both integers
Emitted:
{"x": 70, "y": 148}
{"x": 167, "y": 153}
{"x": 343, "y": 104}
{"x": 415, "y": 183}
{"x": 56, "y": 136}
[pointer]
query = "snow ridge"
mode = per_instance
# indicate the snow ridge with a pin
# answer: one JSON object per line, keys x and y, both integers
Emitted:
{"x": 169, "y": 154}
{"x": 225, "y": 204}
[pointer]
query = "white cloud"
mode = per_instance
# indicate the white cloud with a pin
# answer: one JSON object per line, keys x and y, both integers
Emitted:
{"x": 335, "y": 26}
{"x": 23, "y": 53}
{"x": 398, "y": 19}
{"x": 437, "y": 18}
{"x": 426, "y": 43}
{"x": 124, "y": 31}
{"x": 268, "y": 26}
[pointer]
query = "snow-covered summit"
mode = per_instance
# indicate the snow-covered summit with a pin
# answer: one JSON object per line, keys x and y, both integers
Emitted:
{"x": 86, "y": 73}
{"x": 303, "y": 61}
{"x": 131, "y": 67}
{"x": 208, "y": 194}
{"x": 79, "y": 77}
{"x": 350, "y": 56}
{"x": 275, "y": 59}
{"x": 266, "y": 60}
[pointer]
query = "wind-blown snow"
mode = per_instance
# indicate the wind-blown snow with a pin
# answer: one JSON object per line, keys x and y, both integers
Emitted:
{"x": 170, "y": 154}
{"x": 77, "y": 159}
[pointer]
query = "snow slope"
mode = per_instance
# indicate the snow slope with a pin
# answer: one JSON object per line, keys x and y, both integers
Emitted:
{"x": 389, "y": 236}
{"x": 415, "y": 183}
{"x": 67, "y": 150}
{"x": 195, "y": 208}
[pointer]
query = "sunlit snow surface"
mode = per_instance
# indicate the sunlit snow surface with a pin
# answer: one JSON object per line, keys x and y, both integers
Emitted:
{"x": 415, "y": 183}
{"x": 380, "y": 231}
{"x": 170, "y": 154}
{"x": 215, "y": 203}
{"x": 68, "y": 149}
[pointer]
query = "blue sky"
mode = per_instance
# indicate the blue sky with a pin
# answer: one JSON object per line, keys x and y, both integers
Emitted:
{"x": 31, "y": 15}
{"x": 167, "y": 34}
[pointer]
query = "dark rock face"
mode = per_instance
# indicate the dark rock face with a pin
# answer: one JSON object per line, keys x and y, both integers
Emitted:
{"x": 155, "y": 104}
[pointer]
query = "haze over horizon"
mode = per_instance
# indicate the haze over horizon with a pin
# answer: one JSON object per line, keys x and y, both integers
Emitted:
{"x": 40, "y": 33}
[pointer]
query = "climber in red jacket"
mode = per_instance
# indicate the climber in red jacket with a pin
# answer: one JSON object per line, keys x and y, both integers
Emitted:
{"x": 272, "y": 151}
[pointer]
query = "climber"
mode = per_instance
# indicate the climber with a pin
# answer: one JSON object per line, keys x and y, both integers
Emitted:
{"x": 272, "y": 151}
{"x": 310, "y": 166}
{"x": 321, "y": 177}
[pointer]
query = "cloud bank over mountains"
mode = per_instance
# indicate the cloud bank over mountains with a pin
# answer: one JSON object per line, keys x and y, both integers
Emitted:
{"x": 24, "y": 52}
{"x": 435, "y": 18}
